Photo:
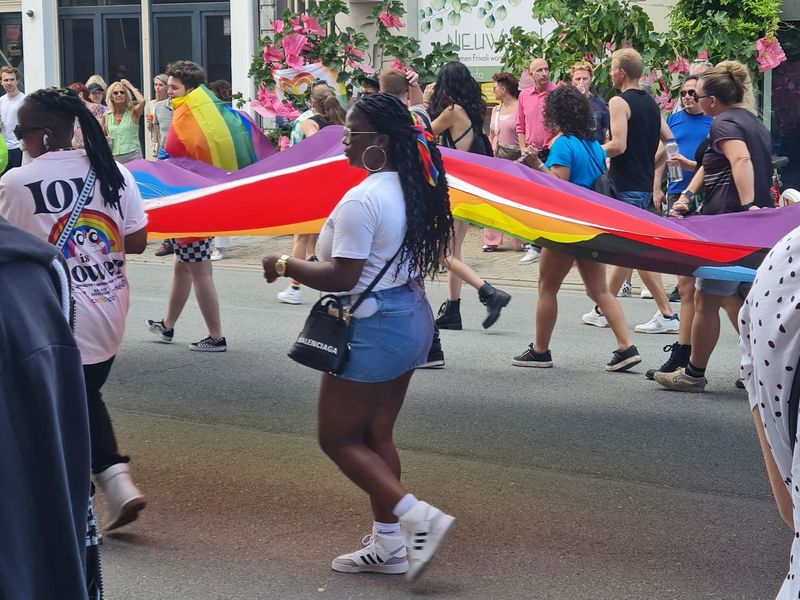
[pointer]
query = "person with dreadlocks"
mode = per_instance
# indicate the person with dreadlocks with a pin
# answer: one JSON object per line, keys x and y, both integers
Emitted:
{"x": 400, "y": 213}
{"x": 40, "y": 197}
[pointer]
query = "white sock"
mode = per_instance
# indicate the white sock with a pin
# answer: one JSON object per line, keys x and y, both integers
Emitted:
{"x": 386, "y": 528}
{"x": 405, "y": 504}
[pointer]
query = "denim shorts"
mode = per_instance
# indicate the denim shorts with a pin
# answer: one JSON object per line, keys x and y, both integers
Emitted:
{"x": 639, "y": 199}
{"x": 717, "y": 287}
{"x": 393, "y": 340}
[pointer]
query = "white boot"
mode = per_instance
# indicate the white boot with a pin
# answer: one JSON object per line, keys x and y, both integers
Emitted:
{"x": 123, "y": 498}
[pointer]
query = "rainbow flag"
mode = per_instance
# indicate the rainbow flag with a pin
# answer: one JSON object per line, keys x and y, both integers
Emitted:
{"x": 295, "y": 191}
{"x": 206, "y": 129}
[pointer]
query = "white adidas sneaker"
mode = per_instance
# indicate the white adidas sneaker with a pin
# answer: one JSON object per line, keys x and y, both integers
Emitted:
{"x": 424, "y": 528}
{"x": 381, "y": 554}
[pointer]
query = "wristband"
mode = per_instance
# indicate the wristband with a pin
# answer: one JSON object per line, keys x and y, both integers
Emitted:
{"x": 688, "y": 193}
{"x": 748, "y": 206}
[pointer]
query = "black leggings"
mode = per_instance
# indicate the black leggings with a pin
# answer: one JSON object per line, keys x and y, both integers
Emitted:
{"x": 104, "y": 445}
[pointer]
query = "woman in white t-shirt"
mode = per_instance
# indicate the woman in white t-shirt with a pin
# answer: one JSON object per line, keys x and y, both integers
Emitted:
{"x": 39, "y": 197}
{"x": 402, "y": 204}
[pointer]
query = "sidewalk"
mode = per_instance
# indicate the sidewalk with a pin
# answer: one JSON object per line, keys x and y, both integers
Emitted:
{"x": 500, "y": 268}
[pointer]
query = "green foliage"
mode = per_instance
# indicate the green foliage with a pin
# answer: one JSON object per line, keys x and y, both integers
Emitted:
{"x": 726, "y": 29}
{"x": 434, "y": 17}
{"x": 405, "y": 49}
{"x": 602, "y": 22}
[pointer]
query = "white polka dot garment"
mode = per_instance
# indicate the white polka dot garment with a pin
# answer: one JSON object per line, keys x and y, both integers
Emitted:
{"x": 770, "y": 347}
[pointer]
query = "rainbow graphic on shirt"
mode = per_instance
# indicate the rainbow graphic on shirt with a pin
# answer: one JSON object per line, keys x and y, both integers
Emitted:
{"x": 93, "y": 232}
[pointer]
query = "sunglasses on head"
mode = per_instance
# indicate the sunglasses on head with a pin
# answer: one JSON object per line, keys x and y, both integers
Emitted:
{"x": 688, "y": 93}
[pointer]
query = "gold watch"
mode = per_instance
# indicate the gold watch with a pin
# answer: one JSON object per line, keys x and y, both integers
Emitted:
{"x": 280, "y": 266}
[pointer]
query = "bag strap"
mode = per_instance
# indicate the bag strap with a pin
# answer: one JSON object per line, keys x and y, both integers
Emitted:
{"x": 375, "y": 281}
{"x": 76, "y": 210}
{"x": 592, "y": 157}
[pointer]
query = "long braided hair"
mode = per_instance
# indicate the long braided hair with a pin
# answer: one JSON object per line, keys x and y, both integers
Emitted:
{"x": 428, "y": 216}
{"x": 57, "y": 109}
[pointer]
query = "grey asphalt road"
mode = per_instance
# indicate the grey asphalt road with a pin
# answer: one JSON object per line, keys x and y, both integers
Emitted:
{"x": 567, "y": 483}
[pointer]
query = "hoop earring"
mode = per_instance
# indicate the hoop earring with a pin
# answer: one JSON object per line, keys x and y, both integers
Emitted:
{"x": 364, "y": 161}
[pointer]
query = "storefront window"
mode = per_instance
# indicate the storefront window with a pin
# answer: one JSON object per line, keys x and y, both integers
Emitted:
{"x": 79, "y": 3}
{"x": 77, "y": 43}
{"x": 11, "y": 41}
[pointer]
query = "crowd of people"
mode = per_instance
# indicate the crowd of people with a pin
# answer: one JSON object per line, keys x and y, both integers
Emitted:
{"x": 389, "y": 234}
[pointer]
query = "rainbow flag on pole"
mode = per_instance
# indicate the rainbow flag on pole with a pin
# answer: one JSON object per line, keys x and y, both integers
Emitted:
{"x": 206, "y": 129}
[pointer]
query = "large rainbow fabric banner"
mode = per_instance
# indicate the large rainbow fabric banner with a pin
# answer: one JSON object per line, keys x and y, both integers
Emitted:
{"x": 206, "y": 129}
{"x": 295, "y": 191}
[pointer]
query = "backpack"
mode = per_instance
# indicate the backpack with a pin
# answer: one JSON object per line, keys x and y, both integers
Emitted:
{"x": 603, "y": 184}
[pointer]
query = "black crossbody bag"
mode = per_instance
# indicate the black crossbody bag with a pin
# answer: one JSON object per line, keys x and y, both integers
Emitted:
{"x": 603, "y": 184}
{"x": 324, "y": 342}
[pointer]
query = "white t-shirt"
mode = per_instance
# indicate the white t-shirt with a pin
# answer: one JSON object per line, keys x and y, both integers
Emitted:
{"x": 368, "y": 223}
{"x": 769, "y": 325}
{"x": 39, "y": 197}
{"x": 8, "y": 116}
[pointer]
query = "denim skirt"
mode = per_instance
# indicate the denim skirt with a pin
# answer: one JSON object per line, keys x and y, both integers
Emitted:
{"x": 393, "y": 340}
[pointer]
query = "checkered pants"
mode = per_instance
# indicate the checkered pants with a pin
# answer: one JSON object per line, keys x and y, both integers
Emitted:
{"x": 199, "y": 251}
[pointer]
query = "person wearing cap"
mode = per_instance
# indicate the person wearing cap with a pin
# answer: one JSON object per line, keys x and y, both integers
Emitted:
{"x": 97, "y": 89}
{"x": 369, "y": 85}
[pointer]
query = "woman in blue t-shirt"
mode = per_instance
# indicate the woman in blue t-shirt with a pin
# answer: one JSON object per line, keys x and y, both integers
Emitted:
{"x": 575, "y": 156}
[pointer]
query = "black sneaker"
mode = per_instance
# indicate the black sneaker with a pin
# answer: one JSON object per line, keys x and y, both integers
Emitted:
{"x": 531, "y": 358}
{"x": 622, "y": 360}
{"x": 209, "y": 344}
{"x": 435, "y": 354}
{"x": 679, "y": 357}
{"x": 158, "y": 328}
{"x": 674, "y": 295}
{"x": 494, "y": 300}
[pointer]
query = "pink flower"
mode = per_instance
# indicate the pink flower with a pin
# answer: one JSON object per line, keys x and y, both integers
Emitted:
{"x": 311, "y": 25}
{"x": 588, "y": 57}
{"x": 293, "y": 45}
{"x": 649, "y": 78}
{"x": 770, "y": 54}
{"x": 269, "y": 105}
{"x": 390, "y": 20}
{"x": 665, "y": 102}
{"x": 627, "y": 44}
{"x": 609, "y": 47}
{"x": 296, "y": 24}
{"x": 283, "y": 143}
{"x": 703, "y": 55}
{"x": 353, "y": 51}
{"x": 679, "y": 65}
{"x": 354, "y": 64}
{"x": 273, "y": 56}
{"x": 277, "y": 26}
{"x": 397, "y": 65}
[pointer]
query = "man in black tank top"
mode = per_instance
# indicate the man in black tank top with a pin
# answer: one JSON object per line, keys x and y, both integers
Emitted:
{"x": 636, "y": 128}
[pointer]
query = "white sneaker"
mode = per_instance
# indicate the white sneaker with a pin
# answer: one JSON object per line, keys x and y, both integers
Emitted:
{"x": 625, "y": 290}
{"x": 531, "y": 256}
{"x": 381, "y": 554}
{"x": 595, "y": 317}
{"x": 217, "y": 254}
{"x": 424, "y": 528}
{"x": 290, "y": 296}
{"x": 660, "y": 324}
{"x": 123, "y": 498}
{"x": 645, "y": 293}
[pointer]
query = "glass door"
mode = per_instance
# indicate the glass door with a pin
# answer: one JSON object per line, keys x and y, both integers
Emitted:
{"x": 123, "y": 49}
{"x": 174, "y": 40}
{"x": 80, "y": 55}
{"x": 217, "y": 46}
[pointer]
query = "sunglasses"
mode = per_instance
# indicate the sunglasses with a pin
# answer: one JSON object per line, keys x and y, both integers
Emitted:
{"x": 20, "y": 132}
{"x": 347, "y": 135}
{"x": 118, "y": 93}
{"x": 688, "y": 93}
{"x": 698, "y": 97}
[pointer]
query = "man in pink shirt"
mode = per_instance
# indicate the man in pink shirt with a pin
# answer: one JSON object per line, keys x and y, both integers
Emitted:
{"x": 531, "y": 132}
{"x": 532, "y": 136}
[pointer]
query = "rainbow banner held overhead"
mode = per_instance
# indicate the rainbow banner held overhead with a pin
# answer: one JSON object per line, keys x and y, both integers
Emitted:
{"x": 206, "y": 129}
